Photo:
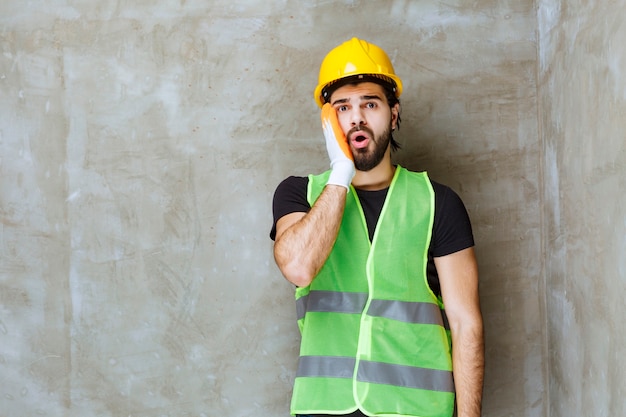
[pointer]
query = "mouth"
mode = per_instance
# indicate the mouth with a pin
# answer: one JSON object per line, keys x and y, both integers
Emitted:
{"x": 360, "y": 139}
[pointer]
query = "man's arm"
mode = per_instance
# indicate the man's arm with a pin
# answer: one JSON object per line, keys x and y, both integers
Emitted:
{"x": 458, "y": 275}
{"x": 304, "y": 240}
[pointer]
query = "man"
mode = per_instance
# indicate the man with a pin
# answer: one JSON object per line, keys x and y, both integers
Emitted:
{"x": 376, "y": 252}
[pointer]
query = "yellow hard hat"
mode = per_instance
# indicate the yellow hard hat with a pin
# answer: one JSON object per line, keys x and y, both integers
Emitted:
{"x": 355, "y": 57}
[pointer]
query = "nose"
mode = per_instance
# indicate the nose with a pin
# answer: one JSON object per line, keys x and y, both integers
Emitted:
{"x": 357, "y": 118}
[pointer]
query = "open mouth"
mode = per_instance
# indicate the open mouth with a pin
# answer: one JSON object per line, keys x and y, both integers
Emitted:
{"x": 360, "y": 140}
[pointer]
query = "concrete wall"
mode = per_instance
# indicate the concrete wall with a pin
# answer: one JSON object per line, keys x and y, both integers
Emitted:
{"x": 582, "y": 108}
{"x": 142, "y": 142}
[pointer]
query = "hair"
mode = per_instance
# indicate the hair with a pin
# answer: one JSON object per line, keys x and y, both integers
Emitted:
{"x": 389, "y": 87}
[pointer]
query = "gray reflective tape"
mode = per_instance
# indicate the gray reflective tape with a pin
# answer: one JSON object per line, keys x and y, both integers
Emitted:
{"x": 326, "y": 366}
{"x": 301, "y": 307}
{"x": 376, "y": 373}
{"x": 354, "y": 302}
{"x": 405, "y": 376}
{"x": 331, "y": 302}
{"x": 409, "y": 312}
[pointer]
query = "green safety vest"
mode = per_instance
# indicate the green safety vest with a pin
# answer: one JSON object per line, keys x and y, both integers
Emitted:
{"x": 374, "y": 336}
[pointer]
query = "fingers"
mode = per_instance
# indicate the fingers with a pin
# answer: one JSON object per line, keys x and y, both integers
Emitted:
{"x": 330, "y": 123}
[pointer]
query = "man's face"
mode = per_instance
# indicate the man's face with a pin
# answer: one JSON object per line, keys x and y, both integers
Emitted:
{"x": 367, "y": 121}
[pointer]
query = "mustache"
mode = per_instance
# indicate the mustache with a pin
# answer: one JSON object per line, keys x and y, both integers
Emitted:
{"x": 359, "y": 128}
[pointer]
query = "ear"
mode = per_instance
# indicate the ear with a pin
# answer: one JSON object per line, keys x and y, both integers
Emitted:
{"x": 395, "y": 112}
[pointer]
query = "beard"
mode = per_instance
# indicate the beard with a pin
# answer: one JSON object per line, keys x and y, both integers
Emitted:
{"x": 366, "y": 159}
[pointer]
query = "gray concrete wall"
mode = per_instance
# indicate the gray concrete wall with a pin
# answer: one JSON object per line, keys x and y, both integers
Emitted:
{"x": 582, "y": 108}
{"x": 140, "y": 146}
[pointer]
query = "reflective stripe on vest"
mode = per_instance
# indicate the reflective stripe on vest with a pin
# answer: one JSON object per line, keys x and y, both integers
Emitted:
{"x": 331, "y": 301}
{"x": 354, "y": 303}
{"x": 376, "y": 372}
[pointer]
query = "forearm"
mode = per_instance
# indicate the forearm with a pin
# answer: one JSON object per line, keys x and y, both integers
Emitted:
{"x": 468, "y": 359}
{"x": 302, "y": 248}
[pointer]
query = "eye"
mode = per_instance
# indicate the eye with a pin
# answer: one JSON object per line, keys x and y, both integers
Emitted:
{"x": 370, "y": 105}
{"x": 342, "y": 108}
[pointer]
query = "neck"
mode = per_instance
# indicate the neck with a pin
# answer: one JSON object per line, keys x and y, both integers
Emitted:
{"x": 378, "y": 177}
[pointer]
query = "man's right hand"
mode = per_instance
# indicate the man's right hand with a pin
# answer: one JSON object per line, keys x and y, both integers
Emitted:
{"x": 341, "y": 159}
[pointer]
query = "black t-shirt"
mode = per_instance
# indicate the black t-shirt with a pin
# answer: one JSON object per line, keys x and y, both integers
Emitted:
{"x": 452, "y": 230}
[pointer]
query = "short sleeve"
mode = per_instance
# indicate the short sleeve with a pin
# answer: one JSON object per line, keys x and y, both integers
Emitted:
{"x": 452, "y": 229}
{"x": 289, "y": 197}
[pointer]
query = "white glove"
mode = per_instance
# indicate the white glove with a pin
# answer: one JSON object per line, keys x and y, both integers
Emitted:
{"x": 341, "y": 159}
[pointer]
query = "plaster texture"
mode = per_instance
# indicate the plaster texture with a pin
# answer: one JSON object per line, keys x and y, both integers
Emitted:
{"x": 140, "y": 145}
{"x": 582, "y": 109}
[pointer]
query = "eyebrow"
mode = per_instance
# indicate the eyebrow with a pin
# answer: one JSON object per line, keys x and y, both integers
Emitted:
{"x": 364, "y": 98}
